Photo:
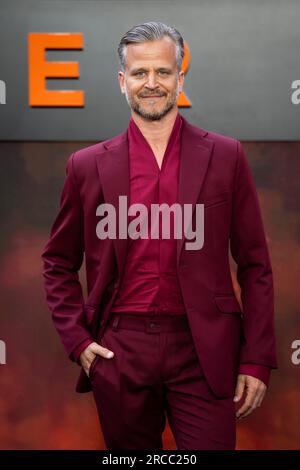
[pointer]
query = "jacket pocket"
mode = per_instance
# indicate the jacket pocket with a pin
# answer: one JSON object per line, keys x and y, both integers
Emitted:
{"x": 228, "y": 304}
{"x": 221, "y": 198}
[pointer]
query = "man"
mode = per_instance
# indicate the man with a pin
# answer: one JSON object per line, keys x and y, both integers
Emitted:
{"x": 180, "y": 344}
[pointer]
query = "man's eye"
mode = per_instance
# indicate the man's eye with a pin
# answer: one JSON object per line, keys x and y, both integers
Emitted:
{"x": 139, "y": 73}
{"x": 163, "y": 72}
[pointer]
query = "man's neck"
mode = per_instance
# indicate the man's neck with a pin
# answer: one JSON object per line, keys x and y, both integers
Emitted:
{"x": 156, "y": 133}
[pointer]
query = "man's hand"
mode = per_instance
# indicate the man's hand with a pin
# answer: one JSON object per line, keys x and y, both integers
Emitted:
{"x": 89, "y": 353}
{"x": 255, "y": 392}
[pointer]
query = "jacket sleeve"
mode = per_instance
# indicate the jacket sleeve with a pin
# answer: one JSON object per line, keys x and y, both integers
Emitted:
{"x": 81, "y": 347}
{"x": 259, "y": 372}
{"x": 254, "y": 273}
{"x": 62, "y": 258}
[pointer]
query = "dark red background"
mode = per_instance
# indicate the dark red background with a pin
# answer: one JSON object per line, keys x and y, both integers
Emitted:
{"x": 39, "y": 408}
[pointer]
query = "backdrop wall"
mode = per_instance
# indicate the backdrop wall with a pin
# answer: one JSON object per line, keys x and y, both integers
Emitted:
{"x": 243, "y": 59}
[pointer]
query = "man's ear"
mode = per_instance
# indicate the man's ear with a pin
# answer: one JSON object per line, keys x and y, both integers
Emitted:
{"x": 182, "y": 76}
{"x": 121, "y": 79}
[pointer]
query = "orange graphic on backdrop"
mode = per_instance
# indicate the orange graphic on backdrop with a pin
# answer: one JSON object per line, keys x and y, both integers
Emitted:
{"x": 40, "y": 69}
{"x": 183, "y": 101}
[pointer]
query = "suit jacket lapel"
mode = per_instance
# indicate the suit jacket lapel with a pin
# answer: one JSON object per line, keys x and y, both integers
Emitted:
{"x": 113, "y": 169}
{"x": 194, "y": 160}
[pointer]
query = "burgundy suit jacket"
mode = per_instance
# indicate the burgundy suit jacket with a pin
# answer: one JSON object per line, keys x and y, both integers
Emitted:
{"x": 213, "y": 171}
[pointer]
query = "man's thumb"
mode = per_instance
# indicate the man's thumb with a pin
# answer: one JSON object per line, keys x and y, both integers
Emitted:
{"x": 98, "y": 349}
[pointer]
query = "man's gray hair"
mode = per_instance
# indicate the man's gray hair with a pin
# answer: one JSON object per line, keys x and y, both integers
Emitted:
{"x": 151, "y": 31}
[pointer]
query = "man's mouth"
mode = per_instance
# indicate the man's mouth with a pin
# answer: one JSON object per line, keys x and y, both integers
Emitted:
{"x": 151, "y": 97}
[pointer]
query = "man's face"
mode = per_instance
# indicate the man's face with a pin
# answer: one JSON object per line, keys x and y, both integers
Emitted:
{"x": 151, "y": 81}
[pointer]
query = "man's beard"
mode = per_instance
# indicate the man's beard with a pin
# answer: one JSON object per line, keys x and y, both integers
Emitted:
{"x": 152, "y": 115}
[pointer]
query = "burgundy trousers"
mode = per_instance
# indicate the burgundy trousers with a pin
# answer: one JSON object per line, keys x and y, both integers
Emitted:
{"x": 156, "y": 374}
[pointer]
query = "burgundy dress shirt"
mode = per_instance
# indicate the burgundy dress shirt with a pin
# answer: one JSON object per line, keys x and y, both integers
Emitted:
{"x": 149, "y": 283}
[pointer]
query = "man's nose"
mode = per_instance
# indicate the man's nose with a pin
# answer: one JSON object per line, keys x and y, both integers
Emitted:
{"x": 152, "y": 81}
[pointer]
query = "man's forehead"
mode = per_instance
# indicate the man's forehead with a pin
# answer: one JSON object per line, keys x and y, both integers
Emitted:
{"x": 151, "y": 49}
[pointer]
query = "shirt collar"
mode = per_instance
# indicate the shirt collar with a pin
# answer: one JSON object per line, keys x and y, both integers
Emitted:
{"x": 135, "y": 134}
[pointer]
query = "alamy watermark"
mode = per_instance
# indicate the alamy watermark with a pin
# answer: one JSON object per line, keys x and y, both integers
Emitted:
{"x": 295, "y": 357}
{"x": 139, "y": 226}
{"x": 295, "y": 96}
{"x": 2, "y": 92}
{"x": 2, "y": 352}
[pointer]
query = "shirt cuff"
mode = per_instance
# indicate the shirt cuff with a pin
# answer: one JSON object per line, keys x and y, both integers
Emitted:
{"x": 81, "y": 347}
{"x": 256, "y": 370}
